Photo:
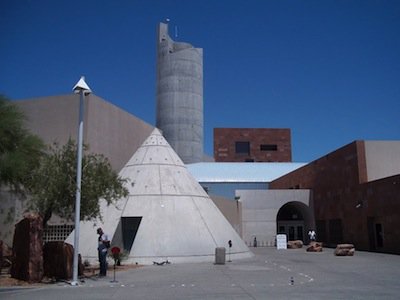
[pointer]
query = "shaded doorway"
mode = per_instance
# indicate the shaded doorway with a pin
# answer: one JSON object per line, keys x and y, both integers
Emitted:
{"x": 379, "y": 235}
{"x": 130, "y": 226}
{"x": 294, "y": 219}
{"x": 335, "y": 231}
{"x": 375, "y": 234}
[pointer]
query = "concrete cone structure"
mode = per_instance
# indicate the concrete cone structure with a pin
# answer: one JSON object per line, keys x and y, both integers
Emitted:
{"x": 167, "y": 215}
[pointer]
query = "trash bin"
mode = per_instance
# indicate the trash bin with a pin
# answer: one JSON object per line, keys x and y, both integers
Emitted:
{"x": 220, "y": 255}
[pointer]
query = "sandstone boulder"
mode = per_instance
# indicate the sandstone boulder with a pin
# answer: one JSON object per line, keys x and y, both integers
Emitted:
{"x": 344, "y": 250}
{"x": 314, "y": 247}
{"x": 27, "y": 258}
{"x": 297, "y": 244}
{"x": 1, "y": 255}
{"x": 58, "y": 258}
{"x": 5, "y": 255}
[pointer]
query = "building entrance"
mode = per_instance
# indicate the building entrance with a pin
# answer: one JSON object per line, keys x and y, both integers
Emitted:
{"x": 293, "y": 219}
{"x": 293, "y": 230}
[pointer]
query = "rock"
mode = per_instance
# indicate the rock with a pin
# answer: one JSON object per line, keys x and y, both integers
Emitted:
{"x": 314, "y": 247}
{"x": 5, "y": 255}
{"x": 344, "y": 250}
{"x": 58, "y": 258}
{"x": 295, "y": 244}
{"x": 1, "y": 255}
{"x": 7, "y": 251}
{"x": 27, "y": 258}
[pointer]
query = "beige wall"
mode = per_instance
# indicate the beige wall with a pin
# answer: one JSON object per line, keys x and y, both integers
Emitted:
{"x": 382, "y": 159}
{"x": 11, "y": 211}
{"x": 232, "y": 210}
{"x": 108, "y": 129}
{"x": 260, "y": 210}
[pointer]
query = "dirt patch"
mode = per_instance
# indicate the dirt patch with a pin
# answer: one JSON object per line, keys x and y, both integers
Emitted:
{"x": 6, "y": 280}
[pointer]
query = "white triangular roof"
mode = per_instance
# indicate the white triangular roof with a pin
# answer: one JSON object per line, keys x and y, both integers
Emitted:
{"x": 179, "y": 220}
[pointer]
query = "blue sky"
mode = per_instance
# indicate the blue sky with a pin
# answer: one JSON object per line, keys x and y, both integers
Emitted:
{"x": 328, "y": 70}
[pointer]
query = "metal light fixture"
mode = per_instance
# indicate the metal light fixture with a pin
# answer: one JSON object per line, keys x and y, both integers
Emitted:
{"x": 82, "y": 89}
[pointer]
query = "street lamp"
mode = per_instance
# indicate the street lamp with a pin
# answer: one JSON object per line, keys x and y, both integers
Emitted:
{"x": 82, "y": 89}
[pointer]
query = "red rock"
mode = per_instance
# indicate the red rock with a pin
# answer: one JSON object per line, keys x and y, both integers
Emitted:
{"x": 344, "y": 250}
{"x": 1, "y": 255}
{"x": 58, "y": 258}
{"x": 5, "y": 255}
{"x": 27, "y": 258}
{"x": 295, "y": 244}
{"x": 314, "y": 247}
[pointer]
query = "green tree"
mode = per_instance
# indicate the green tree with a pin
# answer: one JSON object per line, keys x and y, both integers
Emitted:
{"x": 20, "y": 150}
{"x": 53, "y": 184}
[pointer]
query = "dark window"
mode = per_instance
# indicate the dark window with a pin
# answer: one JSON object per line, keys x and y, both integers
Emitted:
{"x": 291, "y": 233}
{"x": 242, "y": 147}
{"x": 266, "y": 147}
{"x": 300, "y": 233}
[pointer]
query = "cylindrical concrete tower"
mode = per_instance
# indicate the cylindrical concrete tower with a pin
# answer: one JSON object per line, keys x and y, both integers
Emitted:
{"x": 180, "y": 95}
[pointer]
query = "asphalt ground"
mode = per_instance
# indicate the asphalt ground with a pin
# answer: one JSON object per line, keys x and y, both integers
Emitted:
{"x": 270, "y": 274}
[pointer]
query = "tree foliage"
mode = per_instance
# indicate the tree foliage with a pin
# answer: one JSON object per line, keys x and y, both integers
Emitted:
{"x": 53, "y": 184}
{"x": 19, "y": 149}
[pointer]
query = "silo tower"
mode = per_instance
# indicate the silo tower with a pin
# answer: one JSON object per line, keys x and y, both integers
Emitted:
{"x": 180, "y": 95}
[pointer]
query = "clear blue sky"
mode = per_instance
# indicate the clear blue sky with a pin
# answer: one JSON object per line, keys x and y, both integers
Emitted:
{"x": 329, "y": 70}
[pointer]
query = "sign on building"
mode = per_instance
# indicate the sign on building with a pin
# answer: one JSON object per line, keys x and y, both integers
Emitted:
{"x": 281, "y": 241}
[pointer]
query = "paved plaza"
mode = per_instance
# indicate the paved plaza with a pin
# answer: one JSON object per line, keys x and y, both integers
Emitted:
{"x": 271, "y": 274}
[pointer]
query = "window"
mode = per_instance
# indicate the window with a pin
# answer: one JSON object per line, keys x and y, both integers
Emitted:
{"x": 242, "y": 148}
{"x": 266, "y": 147}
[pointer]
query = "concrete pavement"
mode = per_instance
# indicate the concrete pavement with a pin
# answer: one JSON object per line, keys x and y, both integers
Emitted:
{"x": 271, "y": 274}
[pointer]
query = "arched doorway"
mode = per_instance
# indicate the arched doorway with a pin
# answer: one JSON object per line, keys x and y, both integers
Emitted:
{"x": 294, "y": 219}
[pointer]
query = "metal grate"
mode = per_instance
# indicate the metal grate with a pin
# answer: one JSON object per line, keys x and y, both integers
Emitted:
{"x": 57, "y": 232}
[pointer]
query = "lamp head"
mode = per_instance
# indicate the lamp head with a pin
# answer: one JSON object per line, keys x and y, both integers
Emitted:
{"x": 82, "y": 86}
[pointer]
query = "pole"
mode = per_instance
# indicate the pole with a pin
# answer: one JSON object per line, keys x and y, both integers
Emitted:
{"x": 78, "y": 188}
{"x": 115, "y": 262}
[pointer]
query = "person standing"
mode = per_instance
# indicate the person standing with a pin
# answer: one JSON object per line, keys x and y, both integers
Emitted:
{"x": 103, "y": 245}
{"x": 255, "y": 242}
{"x": 312, "y": 235}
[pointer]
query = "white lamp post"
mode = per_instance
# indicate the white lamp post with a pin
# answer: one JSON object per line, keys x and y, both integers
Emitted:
{"x": 82, "y": 89}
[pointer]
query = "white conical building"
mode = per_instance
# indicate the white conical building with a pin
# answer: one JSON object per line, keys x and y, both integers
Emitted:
{"x": 167, "y": 214}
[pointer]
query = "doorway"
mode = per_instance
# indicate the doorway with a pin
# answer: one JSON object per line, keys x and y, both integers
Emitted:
{"x": 379, "y": 235}
{"x": 130, "y": 227}
{"x": 293, "y": 230}
{"x": 293, "y": 219}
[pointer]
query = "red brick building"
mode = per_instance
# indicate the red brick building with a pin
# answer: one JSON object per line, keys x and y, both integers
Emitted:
{"x": 252, "y": 145}
{"x": 355, "y": 195}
